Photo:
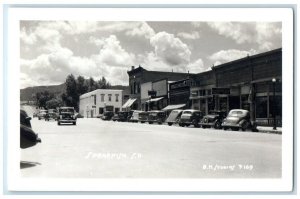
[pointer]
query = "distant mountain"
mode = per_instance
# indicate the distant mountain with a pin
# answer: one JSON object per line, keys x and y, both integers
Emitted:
{"x": 27, "y": 93}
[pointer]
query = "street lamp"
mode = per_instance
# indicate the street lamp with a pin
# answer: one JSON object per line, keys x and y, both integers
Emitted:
{"x": 274, "y": 104}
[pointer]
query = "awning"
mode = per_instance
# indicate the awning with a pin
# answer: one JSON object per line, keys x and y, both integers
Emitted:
{"x": 172, "y": 107}
{"x": 154, "y": 100}
{"x": 129, "y": 103}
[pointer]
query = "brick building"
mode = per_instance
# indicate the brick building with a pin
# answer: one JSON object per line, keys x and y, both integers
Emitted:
{"x": 139, "y": 76}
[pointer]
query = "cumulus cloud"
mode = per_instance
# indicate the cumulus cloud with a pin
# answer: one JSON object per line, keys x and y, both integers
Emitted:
{"x": 224, "y": 56}
{"x": 170, "y": 49}
{"x": 141, "y": 29}
{"x": 196, "y": 66}
{"x": 113, "y": 54}
{"x": 266, "y": 35}
{"x": 193, "y": 35}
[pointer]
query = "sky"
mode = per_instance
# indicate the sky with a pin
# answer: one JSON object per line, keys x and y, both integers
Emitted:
{"x": 51, "y": 50}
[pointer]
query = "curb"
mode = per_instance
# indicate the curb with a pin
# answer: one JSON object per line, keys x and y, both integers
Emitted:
{"x": 269, "y": 131}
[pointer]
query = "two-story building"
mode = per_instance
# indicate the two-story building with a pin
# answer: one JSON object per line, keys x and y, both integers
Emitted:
{"x": 98, "y": 101}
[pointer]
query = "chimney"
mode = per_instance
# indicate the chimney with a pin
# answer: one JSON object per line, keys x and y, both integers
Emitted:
{"x": 132, "y": 67}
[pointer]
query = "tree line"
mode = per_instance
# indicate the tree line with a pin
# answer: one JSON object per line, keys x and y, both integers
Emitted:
{"x": 74, "y": 87}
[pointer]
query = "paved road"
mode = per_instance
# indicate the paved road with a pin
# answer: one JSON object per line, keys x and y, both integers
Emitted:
{"x": 104, "y": 149}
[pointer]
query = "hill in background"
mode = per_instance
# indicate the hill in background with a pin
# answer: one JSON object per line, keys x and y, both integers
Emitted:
{"x": 26, "y": 94}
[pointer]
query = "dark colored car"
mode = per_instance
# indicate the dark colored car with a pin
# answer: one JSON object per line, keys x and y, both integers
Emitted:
{"x": 190, "y": 117}
{"x": 156, "y": 117}
{"x": 51, "y": 115}
{"x": 115, "y": 117}
{"x": 66, "y": 115}
{"x": 123, "y": 116}
{"x": 213, "y": 119}
{"x": 174, "y": 117}
{"x": 143, "y": 117}
{"x": 28, "y": 137}
{"x": 238, "y": 119}
{"x": 42, "y": 114}
{"x": 107, "y": 115}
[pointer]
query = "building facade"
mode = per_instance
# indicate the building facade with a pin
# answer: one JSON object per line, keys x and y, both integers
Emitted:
{"x": 98, "y": 101}
{"x": 252, "y": 83}
{"x": 139, "y": 76}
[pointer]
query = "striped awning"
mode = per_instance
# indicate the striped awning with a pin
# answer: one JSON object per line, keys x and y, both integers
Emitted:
{"x": 173, "y": 107}
{"x": 154, "y": 99}
{"x": 129, "y": 103}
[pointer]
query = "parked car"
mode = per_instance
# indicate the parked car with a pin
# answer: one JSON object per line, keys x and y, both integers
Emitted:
{"x": 143, "y": 117}
{"x": 156, "y": 117}
{"x": 66, "y": 115}
{"x": 135, "y": 116}
{"x": 190, "y": 117}
{"x": 115, "y": 117}
{"x": 28, "y": 137}
{"x": 51, "y": 114}
{"x": 174, "y": 117}
{"x": 238, "y": 119}
{"x": 107, "y": 115}
{"x": 42, "y": 114}
{"x": 123, "y": 116}
{"x": 213, "y": 119}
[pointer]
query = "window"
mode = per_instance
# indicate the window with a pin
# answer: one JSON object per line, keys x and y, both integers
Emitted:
{"x": 117, "y": 97}
{"x": 261, "y": 107}
{"x": 117, "y": 110}
{"x": 102, "y": 97}
{"x": 101, "y": 110}
{"x": 95, "y": 97}
{"x": 109, "y": 97}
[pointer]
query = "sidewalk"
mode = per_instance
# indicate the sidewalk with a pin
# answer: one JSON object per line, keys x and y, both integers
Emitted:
{"x": 269, "y": 129}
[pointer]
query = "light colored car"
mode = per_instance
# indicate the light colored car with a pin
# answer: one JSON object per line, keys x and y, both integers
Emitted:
{"x": 135, "y": 116}
{"x": 238, "y": 119}
{"x": 42, "y": 114}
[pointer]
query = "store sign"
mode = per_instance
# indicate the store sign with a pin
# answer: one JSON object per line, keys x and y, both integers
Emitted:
{"x": 220, "y": 91}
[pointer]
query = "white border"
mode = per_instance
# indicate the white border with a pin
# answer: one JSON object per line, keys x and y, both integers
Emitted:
{"x": 16, "y": 183}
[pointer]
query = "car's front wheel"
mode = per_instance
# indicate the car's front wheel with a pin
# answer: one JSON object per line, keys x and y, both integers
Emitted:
{"x": 218, "y": 125}
{"x": 169, "y": 123}
{"x": 58, "y": 123}
{"x": 74, "y": 123}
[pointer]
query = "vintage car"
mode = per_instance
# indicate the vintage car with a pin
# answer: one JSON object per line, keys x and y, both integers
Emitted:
{"x": 28, "y": 137}
{"x": 190, "y": 117}
{"x": 174, "y": 117}
{"x": 42, "y": 114}
{"x": 123, "y": 116}
{"x": 66, "y": 115}
{"x": 107, "y": 115}
{"x": 156, "y": 117}
{"x": 213, "y": 119}
{"x": 135, "y": 116}
{"x": 143, "y": 117}
{"x": 238, "y": 119}
{"x": 115, "y": 117}
{"x": 51, "y": 115}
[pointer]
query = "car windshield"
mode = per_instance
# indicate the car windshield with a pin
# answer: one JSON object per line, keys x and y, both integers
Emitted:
{"x": 66, "y": 110}
{"x": 107, "y": 113}
{"x": 187, "y": 112}
{"x": 236, "y": 113}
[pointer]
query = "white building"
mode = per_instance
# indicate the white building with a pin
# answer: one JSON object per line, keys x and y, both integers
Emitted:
{"x": 96, "y": 102}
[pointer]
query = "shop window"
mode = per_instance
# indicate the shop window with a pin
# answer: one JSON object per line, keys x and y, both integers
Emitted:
{"x": 277, "y": 106}
{"x": 245, "y": 102}
{"x": 223, "y": 104}
{"x": 211, "y": 104}
{"x": 261, "y": 107}
{"x": 234, "y": 102}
